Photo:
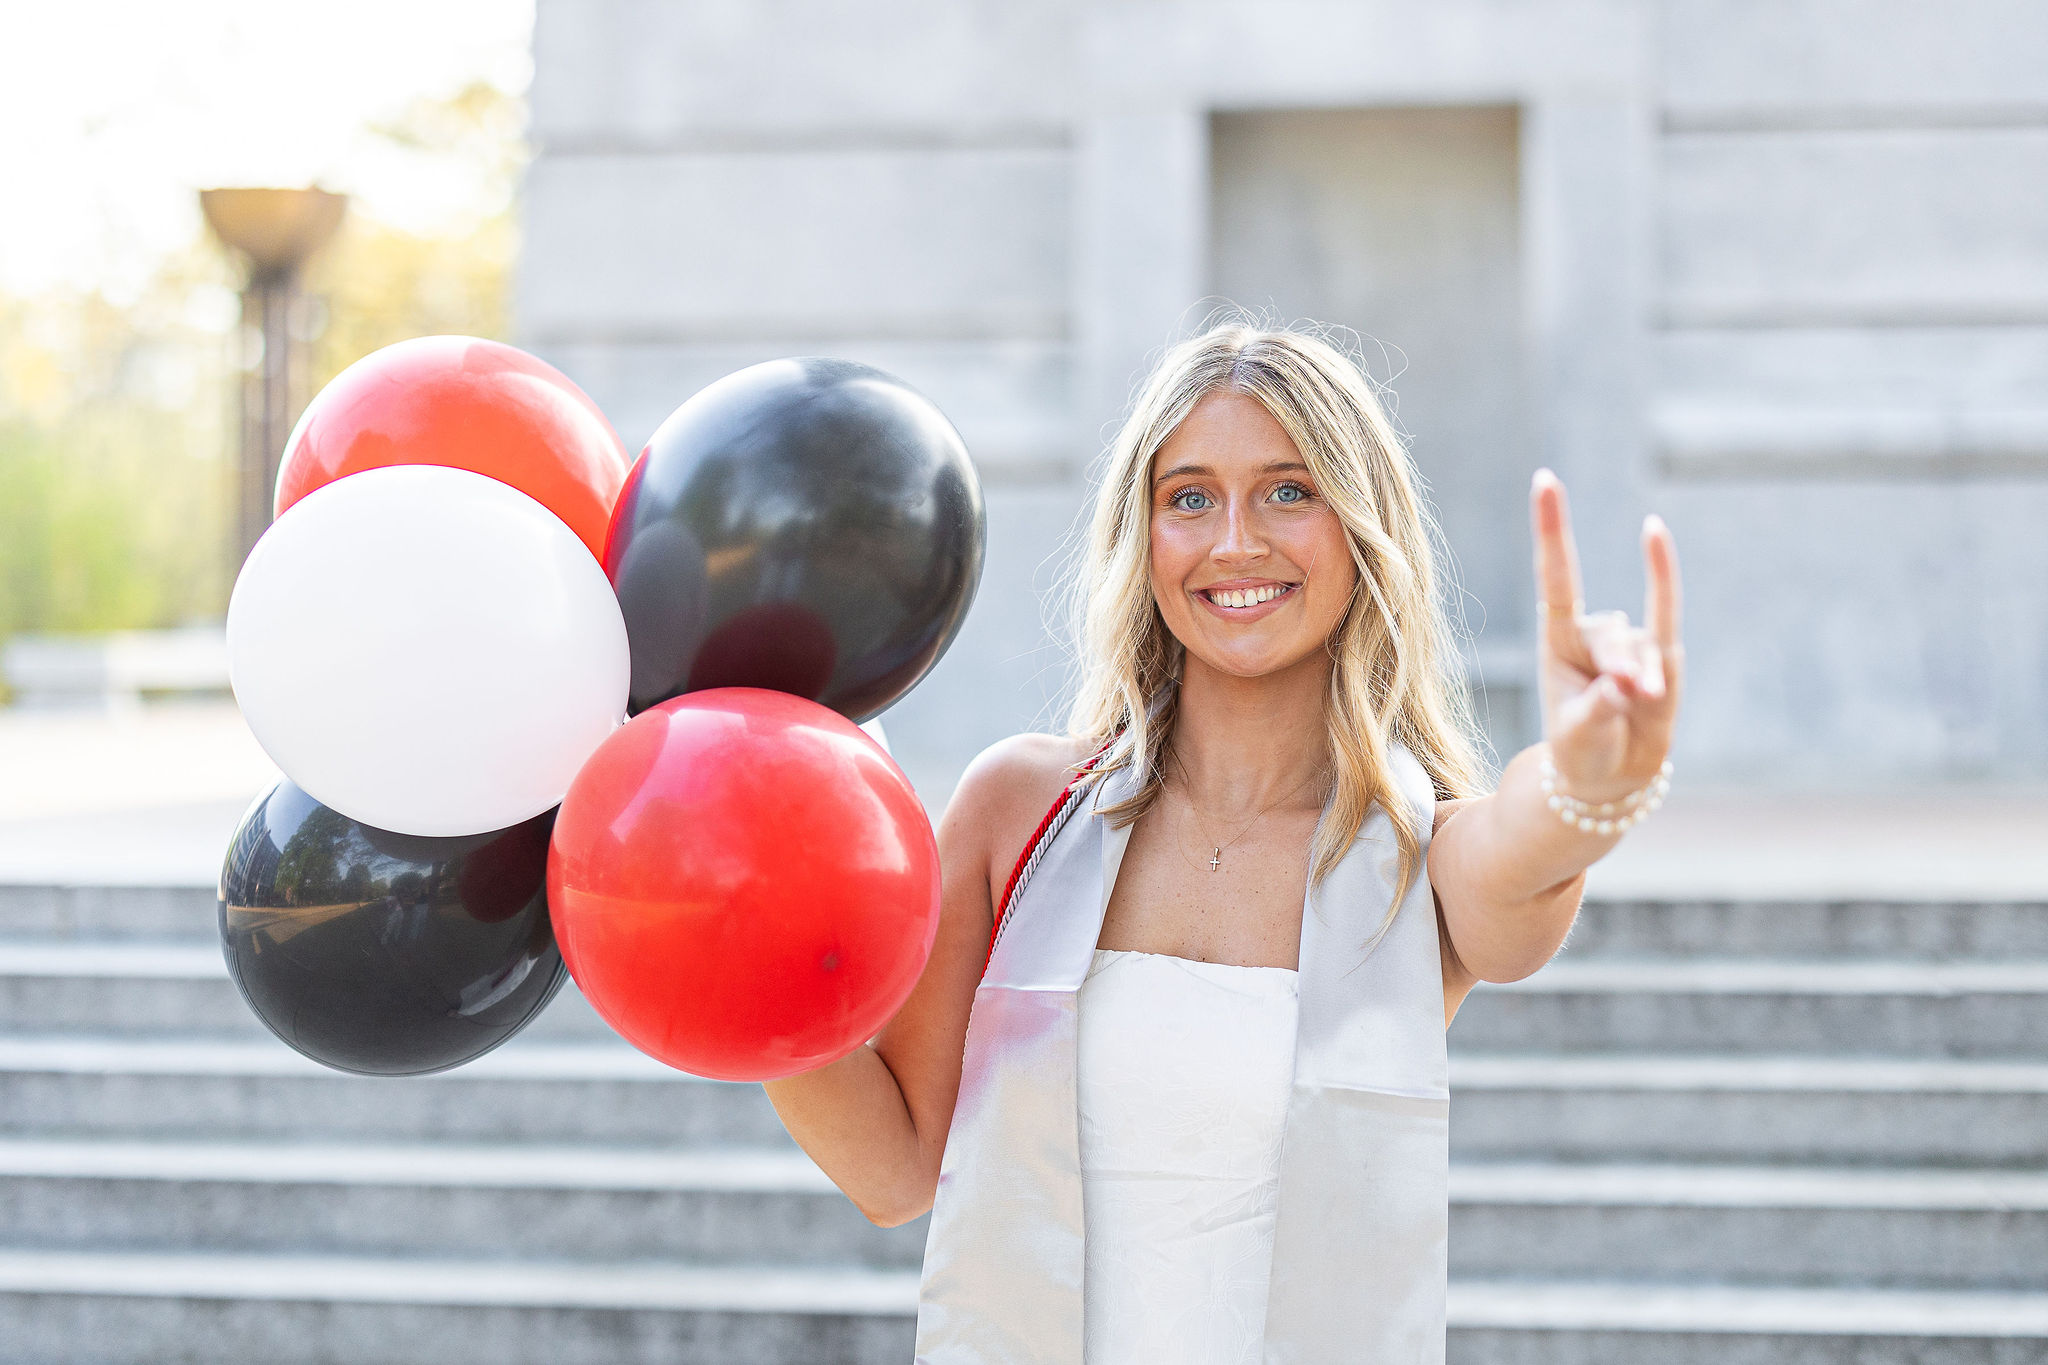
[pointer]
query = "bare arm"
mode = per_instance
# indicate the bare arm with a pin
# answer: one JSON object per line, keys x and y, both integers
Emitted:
{"x": 1508, "y": 872}
{"x": 876, "y": 1120}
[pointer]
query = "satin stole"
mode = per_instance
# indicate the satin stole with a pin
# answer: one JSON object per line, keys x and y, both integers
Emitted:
{"x": 1359, "y": 1259}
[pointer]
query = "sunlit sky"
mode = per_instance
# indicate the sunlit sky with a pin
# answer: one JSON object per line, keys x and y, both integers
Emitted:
{"x": 117, "y": 111}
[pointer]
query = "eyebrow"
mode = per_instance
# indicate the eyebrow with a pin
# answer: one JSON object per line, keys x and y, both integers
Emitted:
{"x": 1272, "y": 468}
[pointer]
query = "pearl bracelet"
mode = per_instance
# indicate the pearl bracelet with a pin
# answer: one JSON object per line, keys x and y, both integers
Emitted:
{"x": 1603, "y": 818}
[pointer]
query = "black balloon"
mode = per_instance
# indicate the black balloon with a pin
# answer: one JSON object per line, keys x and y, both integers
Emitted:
{"x": 386, "y": 954}
{"x": 809, "y": 525}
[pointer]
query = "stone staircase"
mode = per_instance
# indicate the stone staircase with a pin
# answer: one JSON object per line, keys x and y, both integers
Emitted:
{"x": 176, "y": 1185}
{"x": 1730, "y": 1132}
{"x": 1748, "y": 1132}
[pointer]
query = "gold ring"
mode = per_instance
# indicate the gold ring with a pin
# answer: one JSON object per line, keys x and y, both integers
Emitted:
{"x": 1575, "y": 610}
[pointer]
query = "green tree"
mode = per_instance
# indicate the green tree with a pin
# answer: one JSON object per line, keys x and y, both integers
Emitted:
{"x": 112, "y": 489}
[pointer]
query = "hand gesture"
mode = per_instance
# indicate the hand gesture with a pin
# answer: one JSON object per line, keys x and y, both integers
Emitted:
{"x": 1609, "y": 689}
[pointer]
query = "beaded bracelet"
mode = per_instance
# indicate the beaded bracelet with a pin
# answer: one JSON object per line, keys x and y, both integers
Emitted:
{"x": 1602, "y": 818}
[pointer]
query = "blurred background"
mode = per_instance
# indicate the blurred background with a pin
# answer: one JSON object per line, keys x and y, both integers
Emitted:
{"x": 1776, "y": 270}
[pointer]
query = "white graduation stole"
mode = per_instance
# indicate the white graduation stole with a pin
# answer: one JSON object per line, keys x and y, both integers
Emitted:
{"x": 1359, "y": 1267}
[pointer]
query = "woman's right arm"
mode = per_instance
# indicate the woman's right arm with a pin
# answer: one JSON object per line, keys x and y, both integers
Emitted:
{"x": 876, "y": 1120}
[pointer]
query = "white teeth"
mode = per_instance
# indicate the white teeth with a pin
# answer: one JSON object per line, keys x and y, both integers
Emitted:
{"x": 1247, "y": 597}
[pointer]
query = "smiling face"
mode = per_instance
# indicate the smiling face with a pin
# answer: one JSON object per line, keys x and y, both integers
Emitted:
{"x": 1250, "y": 567}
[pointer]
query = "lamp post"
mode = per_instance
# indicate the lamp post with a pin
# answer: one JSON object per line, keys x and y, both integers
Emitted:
{"x": 275, "y": 231}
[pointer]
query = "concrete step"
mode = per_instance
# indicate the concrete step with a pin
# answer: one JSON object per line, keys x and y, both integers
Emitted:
{"x": 732, "y": 1205}
{"x": 1884, "y": 1008}
{"x": 110, "y": 912}
{"x": 525, "y": 1091}
{"x": 148, "y": 987}
{"x": 1566, "y": 1322}
{"x": 1761, "y": 1224}
{"x": 1948, "y": 1228}
{"x": 1909, "y": 929}
{"x": 89, "y": 1308}
{"x": 1706, "y": 1107}
{"x": 1585, "y": 1106}
{"x": 133, "y": 1309}
{"x": 1895, "y": 1008}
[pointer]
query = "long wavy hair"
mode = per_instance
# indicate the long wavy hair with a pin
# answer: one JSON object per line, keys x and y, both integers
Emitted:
{"x": 1396, "y": 673}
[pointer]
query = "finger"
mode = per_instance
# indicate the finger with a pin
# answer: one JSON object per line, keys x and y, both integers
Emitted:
{"x": 1611, "y": 642}
{"x": 1557, "y": 563}
{"x": 1600, "y": 700}
{"x": 1651, "y": 660}
{"x": 1661, "y": 595}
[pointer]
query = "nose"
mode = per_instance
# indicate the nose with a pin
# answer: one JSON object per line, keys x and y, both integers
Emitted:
{"x": 1241, "y": 540}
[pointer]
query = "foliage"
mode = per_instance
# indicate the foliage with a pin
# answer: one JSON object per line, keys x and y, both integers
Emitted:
{"x": 101, "y": 528}
{"x": 113, "y": 495}
{"x": 118, "y": 421}
{"x": 380, "y": 284}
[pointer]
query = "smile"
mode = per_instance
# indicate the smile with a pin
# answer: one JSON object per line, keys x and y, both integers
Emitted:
{"x": 1246, "y": 600}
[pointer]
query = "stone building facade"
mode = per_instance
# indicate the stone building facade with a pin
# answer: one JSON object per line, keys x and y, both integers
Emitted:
{"x": 1777, "y": 269}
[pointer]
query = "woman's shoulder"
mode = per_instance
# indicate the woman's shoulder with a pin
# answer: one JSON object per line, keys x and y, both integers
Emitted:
{"x": 1008, "y": 788}
{"x": 1024, "y": 772}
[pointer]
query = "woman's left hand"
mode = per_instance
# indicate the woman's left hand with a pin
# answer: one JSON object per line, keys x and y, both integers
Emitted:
{"x": 1609, "y": 689}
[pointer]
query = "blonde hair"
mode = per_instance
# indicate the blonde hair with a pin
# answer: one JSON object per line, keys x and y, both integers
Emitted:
{"x": 1396, "y": 674}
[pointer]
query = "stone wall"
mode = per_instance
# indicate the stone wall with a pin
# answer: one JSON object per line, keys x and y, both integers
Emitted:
{"x": 1778, "y": 270}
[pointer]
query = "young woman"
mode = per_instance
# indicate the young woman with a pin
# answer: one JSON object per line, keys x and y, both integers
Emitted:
{"x": 1193, "y": 1104}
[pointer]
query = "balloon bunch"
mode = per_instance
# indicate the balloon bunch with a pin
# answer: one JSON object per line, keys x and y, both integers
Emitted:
{"x": 465, "y": 595}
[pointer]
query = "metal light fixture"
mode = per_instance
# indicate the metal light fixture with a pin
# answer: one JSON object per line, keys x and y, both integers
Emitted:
{"x": 275, "y": 231}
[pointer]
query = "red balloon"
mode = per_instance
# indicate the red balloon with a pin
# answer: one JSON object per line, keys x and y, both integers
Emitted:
{"x": 743, "y": 883}
{"x": 468, "y": 404}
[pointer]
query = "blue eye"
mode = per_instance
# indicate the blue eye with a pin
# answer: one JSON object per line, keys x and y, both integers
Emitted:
{"x": 1189, "y": 493}
{"x": 1294, "y": 487}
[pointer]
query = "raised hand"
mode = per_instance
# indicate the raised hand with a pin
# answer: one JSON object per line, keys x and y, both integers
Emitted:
{"x": 1609, "y": 689}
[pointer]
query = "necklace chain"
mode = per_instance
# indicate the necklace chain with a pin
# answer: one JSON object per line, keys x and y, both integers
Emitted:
{"x": 1215, "y": 858}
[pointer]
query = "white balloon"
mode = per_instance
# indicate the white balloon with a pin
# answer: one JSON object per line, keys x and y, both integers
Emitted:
{"x": 876, "y": 733}
{"x": 427, "y": 650}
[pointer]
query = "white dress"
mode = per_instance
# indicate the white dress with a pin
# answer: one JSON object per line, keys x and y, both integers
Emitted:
{"x": 1184, "y": 1074}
